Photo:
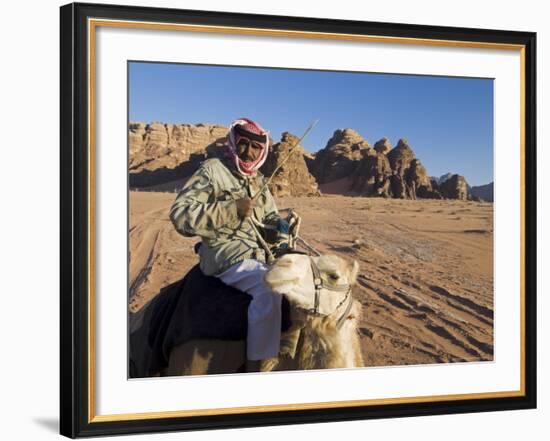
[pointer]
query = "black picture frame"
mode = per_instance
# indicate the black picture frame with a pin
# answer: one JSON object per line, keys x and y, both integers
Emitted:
{"x": 76, "y": 417}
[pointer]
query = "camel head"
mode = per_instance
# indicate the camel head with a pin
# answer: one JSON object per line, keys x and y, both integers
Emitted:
{"x": 292, "y": 275}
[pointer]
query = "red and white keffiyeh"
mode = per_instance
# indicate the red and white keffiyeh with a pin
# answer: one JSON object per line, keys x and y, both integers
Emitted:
{"x": 246, "y": 128}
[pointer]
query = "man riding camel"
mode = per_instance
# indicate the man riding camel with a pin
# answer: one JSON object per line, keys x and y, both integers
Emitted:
{"x": 218, "y": 204}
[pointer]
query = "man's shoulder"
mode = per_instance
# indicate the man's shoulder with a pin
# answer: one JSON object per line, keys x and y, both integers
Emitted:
{"x": 212, "y": 163}
{"x": 213, "y": 166}
{"x": 217, "y": 170}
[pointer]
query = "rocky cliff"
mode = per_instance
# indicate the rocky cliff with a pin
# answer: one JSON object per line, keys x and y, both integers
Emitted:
{"x": 156, "y": 145}
{"x": 392, "y": 172}
{"x": 162, "y": 156}
{"x": 372, "y": 175}
{"x": 293, "y": 178}
{"x": 340, "y": 156}
{"x": 454, "y": 188}
{"x": 383, "y": 146}
{"x": 161, "y": 153}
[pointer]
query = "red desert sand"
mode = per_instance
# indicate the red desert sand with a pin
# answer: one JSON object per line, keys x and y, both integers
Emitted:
{"x": 426, "y": 281}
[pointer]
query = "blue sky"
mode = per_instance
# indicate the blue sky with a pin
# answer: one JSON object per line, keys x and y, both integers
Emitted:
{"x": 448, "y": 122}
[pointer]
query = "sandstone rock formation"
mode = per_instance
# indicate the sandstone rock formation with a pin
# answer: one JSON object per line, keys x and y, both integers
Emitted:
{"x": 383, "y": 146}
{"x": 454, "y": 188}
{"x": 293, "y": 178}
{"x": 419, "y": 181}
{"x": 340, "y": 156}
{"x": 442, "y": 178}
{"x": 400, "y": 157}
{"x": 397, "y": 174}
{"x": 158, "y": 145}
{"x": 161, "y": 153}
{"x": 372, "y": 175}
{"x": 162, "y": 156}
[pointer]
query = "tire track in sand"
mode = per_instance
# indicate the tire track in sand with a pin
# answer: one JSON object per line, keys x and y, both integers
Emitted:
{"x": 142, "y": 263}
{"x": 438, "y": 325}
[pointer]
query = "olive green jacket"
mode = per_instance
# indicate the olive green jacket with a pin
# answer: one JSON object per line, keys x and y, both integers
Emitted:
{"x": 206, "y": 207}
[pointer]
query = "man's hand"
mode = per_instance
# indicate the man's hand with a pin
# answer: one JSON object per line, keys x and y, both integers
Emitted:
{"x": 245, "y": 207}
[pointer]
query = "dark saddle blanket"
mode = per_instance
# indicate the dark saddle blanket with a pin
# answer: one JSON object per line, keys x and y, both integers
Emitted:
{"x": 195, "y": 307}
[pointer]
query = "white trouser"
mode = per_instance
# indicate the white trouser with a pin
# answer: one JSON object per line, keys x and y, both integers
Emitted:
{"x": 264, "y": 311}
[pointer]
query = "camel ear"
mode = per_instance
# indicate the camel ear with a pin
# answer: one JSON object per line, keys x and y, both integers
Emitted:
{"x": 353, "y": 273}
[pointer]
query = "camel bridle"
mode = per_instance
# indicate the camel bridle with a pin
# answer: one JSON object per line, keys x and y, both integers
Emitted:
{"x": 319, "y": 285}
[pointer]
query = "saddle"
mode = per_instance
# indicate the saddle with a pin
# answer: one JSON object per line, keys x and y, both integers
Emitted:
{"x": 195, "y": 307}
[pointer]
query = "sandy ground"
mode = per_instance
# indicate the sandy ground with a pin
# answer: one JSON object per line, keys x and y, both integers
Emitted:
{"x": 426, "y": 281}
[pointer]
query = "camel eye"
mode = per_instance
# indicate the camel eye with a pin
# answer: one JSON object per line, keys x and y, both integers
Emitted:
{"x": 333, "y": 277}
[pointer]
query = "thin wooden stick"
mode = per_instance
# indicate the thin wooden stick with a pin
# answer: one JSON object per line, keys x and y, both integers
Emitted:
{"x": 313, "y": 124}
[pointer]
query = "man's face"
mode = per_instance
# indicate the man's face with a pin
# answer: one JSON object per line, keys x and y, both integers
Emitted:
{"x": 248, "y": 150}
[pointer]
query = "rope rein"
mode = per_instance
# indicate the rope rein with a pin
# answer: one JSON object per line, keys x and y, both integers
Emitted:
{"x": 263, "y": 243}
{"x": 318, "y": 281}
{"x": 320, "y": 284}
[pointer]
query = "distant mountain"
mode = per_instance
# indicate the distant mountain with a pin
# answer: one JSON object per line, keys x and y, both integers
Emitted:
{"x": 484, "y": 192}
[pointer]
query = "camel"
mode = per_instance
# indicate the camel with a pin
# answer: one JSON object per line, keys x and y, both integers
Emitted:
{"x": 321, "y": 308}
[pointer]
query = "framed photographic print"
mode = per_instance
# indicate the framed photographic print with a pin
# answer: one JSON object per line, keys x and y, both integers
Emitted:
{"x": 273, "y": 220}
